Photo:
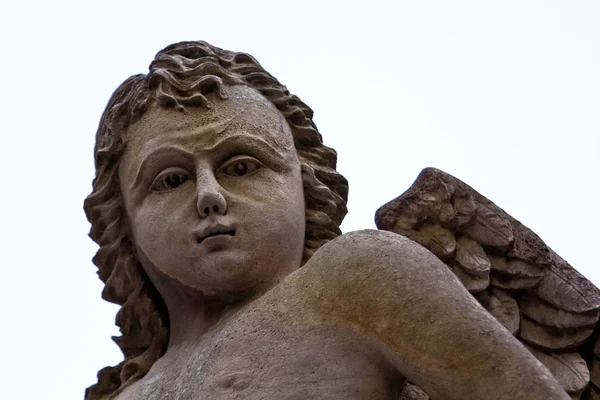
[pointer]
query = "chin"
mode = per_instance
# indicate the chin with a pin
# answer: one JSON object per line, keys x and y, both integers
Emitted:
{"x": 222, "y": 272}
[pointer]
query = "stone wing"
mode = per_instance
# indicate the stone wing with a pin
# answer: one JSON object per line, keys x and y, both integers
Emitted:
{"x": 535, "y": 294}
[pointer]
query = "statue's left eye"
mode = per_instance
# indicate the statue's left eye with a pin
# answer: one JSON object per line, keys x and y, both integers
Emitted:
{"x": 241, "y": 166}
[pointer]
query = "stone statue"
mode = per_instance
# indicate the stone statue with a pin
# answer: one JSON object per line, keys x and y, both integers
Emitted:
{"x": 217, "y": 208}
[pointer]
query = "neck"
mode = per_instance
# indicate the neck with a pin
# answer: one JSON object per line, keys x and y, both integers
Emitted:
{"x": 191, "y": 313}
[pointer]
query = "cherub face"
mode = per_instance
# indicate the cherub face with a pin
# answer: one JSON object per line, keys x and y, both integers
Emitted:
{"x": 214, "y": 197}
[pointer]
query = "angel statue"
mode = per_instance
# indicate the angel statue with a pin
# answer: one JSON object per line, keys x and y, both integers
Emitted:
{"x": 217, "y": 208}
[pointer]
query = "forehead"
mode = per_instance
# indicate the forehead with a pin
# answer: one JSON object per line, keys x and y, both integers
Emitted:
{"x": 244, "y": 112}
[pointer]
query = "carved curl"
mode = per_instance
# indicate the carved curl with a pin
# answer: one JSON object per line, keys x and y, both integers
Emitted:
{"x": 182, "y": 75}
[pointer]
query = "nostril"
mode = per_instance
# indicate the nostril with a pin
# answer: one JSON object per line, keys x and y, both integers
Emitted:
{"x": 216, "y": 209}
{"x": 206, "y": 210}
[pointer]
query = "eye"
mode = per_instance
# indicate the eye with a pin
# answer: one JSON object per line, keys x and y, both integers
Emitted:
{"x": 241, "y": 166}
{"x": 170, "y": 179}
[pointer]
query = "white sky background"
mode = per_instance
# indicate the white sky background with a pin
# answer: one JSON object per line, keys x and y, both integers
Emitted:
{"x": 503, "y": 95}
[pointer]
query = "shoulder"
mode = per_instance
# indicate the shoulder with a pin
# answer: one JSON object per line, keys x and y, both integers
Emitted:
{"x": 366, "y": 239}
{"x": 374, "y": 271}
{"x": 371, "y": 251}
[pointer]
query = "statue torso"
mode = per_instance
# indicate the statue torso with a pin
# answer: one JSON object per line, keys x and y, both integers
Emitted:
{"x": 278, "y": 347}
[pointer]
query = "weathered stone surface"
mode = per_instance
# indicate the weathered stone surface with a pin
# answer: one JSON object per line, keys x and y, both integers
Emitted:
{"x": 516, "y": 268}
{"x": 502, "y": 306}
{"x": 546, "y": 314}
{"x": 553, "y": 338}
{"x": 472, "y": 283}
{"x": 489, "y": 227}
{"x": 570, "y": 369}
{"x": 413, "y": 392}
{"x": 513, "y": 282}
{"x": 439, "y": 240}
{"x": 217, "y": 207}
{"x": 566, "y": 288}
{"x": 471, "y": 256}
{"x": 533, "y": 292}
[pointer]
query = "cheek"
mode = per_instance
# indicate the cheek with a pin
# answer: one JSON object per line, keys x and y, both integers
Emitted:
{"x": 272, "y": 204}
{"x": 160, "y": 224}
{"x": 286, "y": 205}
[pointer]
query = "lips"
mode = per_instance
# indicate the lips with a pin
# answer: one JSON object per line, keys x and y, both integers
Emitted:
{"x": 214, "y": 230}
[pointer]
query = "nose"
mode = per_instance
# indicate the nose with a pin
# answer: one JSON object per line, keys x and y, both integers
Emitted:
{"x": 210, "y": 200}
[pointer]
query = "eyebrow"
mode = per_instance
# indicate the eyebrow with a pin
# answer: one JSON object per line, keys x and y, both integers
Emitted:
{"x": 161, "y": 152}
{"x": 256, "y": 143}
{"x": 241, "y": 140}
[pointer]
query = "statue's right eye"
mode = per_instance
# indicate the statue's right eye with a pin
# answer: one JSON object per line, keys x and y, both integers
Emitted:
{"x": 169, "y": 179}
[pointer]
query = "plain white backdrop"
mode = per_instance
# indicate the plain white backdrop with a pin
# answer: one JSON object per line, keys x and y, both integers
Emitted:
{"x": 504, "y": 95}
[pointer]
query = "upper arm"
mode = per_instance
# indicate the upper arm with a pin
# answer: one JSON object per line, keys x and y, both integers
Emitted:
{"x": 405, "y": 300}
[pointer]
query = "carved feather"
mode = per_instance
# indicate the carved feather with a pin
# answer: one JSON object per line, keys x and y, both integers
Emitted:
{"x": 439, "y": 240}
{"x": 567, "y": 289}
{"x": 472, "y": 258}
{"x": 516, "y": 267}
{"x": 569, "y": 369}
{"x": 464, "y": 208}
{"x": 547, "y": 314}
{"x": 502, "y": 306}
{"x": 472, "y": 283}
{"x": 489, "y": 227}
{"x": 513, "y": 282}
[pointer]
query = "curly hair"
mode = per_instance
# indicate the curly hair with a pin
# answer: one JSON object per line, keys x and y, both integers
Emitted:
{"x": 181, "y": 76}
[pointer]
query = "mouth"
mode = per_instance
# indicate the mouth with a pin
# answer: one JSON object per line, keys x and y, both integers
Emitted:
{"x": 215, "y": 231}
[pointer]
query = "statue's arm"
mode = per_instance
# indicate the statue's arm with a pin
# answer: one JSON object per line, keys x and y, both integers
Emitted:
{"x": 406, "y": 301}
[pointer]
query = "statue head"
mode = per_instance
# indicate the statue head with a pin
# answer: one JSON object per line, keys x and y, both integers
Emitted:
{"x": 183, "y": 79}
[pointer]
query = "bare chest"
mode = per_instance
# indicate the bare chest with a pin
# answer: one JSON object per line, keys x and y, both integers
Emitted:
{"x": 273, "y": 351}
